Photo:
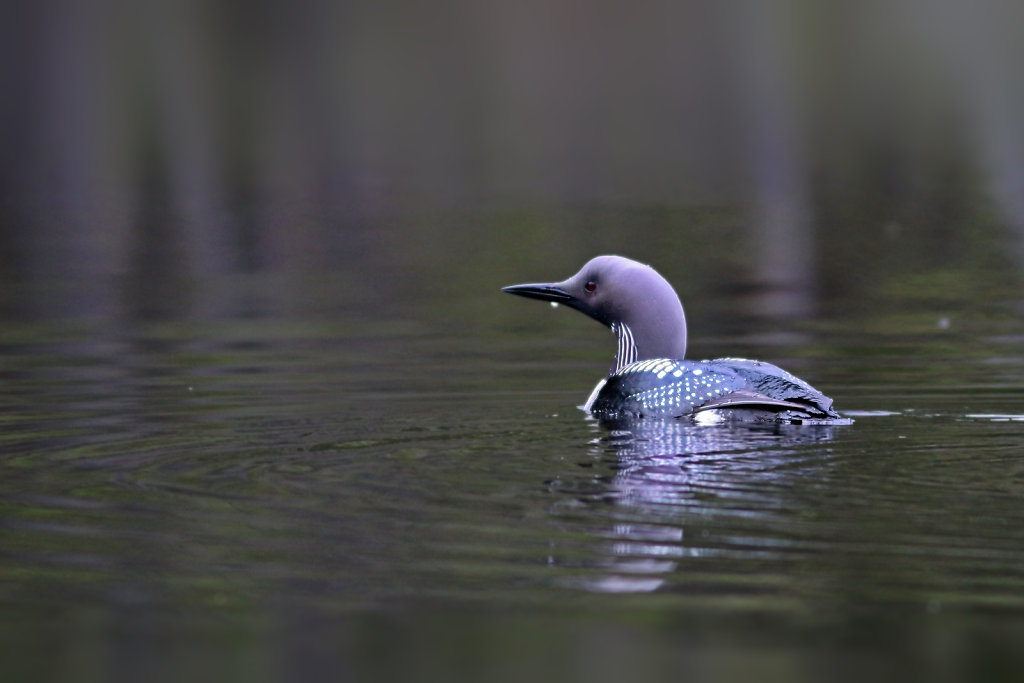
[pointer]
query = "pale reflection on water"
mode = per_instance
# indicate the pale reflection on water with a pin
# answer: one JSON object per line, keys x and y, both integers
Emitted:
{"x": 679, "y": 472}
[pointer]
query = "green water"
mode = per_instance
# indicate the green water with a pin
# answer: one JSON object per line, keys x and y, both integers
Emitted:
{"x": 386, "y": 476}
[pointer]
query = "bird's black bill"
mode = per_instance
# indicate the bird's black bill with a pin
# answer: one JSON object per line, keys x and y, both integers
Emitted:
{"x": 542, "y": 292}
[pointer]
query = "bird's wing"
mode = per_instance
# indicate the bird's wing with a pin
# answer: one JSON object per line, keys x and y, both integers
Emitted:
{"x": 748, "y": 399}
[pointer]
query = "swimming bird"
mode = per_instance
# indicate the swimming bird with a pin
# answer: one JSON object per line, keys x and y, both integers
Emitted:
{"x": 649, "y": 376}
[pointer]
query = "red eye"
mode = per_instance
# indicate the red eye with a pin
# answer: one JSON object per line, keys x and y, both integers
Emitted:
{"x": 590, "y": 286}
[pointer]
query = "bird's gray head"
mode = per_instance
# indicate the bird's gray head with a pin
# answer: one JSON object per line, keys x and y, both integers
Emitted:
{"x": 632, "y": 298}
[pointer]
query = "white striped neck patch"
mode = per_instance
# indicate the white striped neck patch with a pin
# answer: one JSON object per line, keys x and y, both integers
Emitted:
{"x": 625, "y": 352}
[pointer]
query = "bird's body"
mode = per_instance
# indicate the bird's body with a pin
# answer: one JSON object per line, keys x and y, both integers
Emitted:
{"x": 649, "y": 377}
{"x": 727, "y": 388}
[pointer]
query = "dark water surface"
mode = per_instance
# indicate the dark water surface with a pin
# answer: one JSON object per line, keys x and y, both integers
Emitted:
{"x": 401, "y": 493}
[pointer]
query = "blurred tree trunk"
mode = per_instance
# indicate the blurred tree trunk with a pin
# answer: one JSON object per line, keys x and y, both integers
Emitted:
{"x": 782, "y": 234}
{"x": 70, "y": 176}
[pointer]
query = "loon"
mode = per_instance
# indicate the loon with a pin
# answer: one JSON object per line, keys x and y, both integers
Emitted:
{"x": 649, "y": 376}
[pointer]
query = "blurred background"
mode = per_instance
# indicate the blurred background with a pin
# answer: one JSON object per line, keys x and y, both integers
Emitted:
{"x": 814, "y": 148}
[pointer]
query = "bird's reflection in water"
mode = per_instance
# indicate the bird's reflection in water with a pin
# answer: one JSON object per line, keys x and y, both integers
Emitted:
{"x": 681, "y": 490}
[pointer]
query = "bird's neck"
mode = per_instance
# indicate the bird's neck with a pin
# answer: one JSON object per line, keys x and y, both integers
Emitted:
{"x": 641, "y": 343}
{"x": 625, "y": 350}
